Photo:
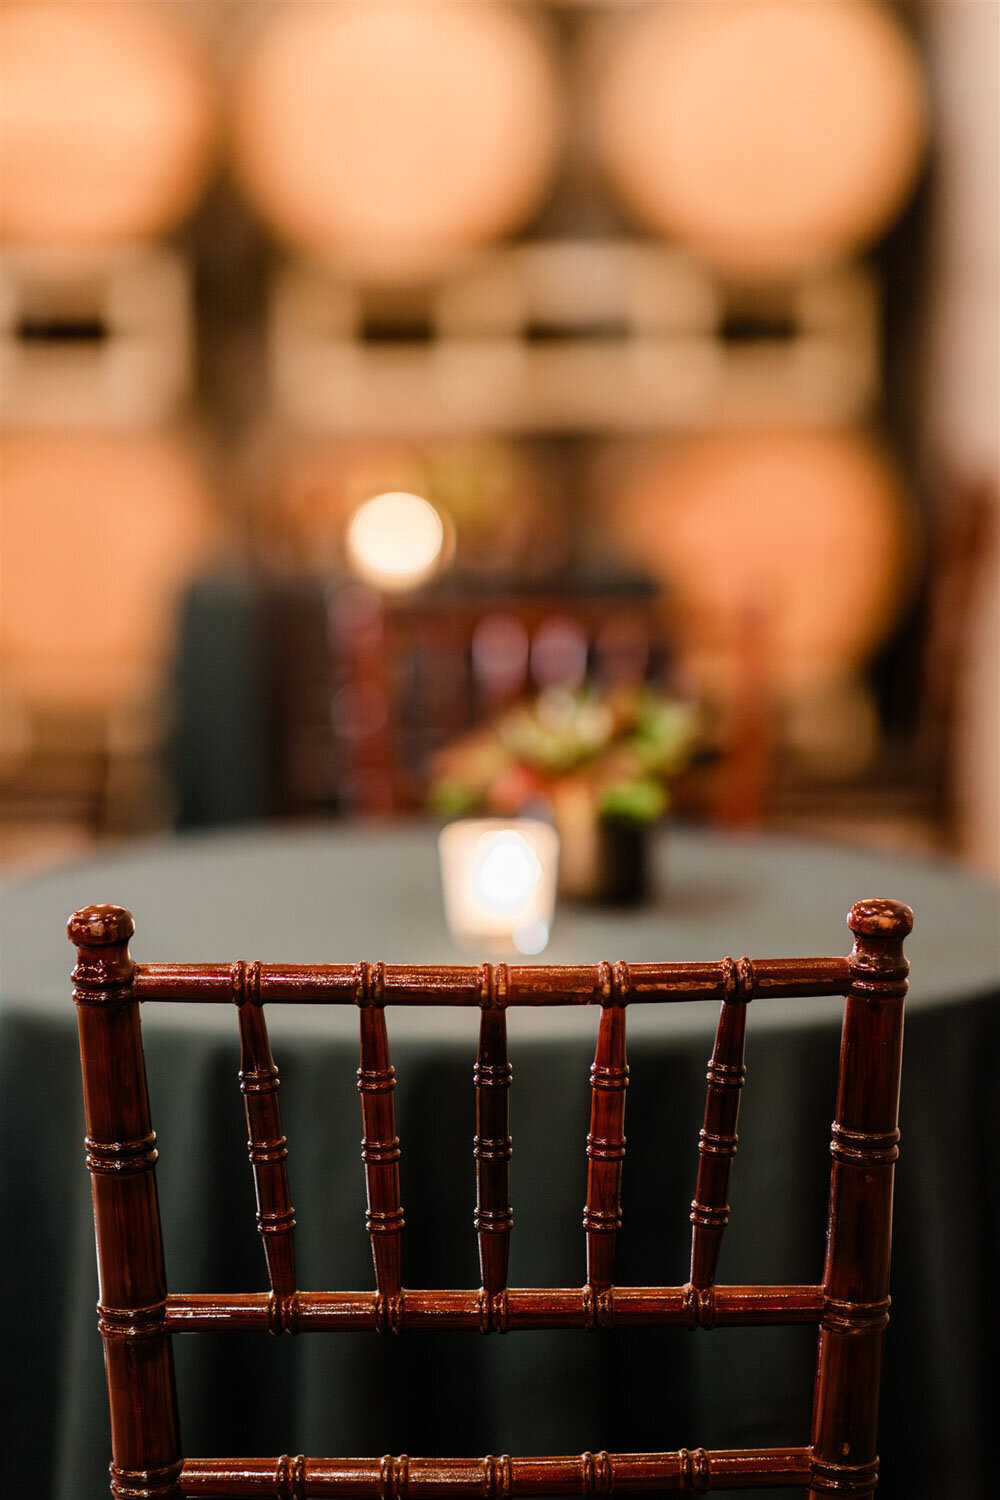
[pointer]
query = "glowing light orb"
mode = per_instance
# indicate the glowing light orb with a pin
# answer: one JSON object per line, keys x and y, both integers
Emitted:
{"x": 499, "y": 882}
{"x": 506, "y": 872}
{"x": 395, "y": 541}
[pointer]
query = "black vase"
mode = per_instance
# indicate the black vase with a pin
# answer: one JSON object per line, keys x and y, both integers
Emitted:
{"x": 623, "y": 861}
{"x": 602, "y": 859}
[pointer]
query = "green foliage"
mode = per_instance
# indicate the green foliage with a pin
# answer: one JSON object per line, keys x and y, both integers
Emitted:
{"x": 452, "y": 799}
{"x": 642, "y": 800}
{"x": 622, "y": 748}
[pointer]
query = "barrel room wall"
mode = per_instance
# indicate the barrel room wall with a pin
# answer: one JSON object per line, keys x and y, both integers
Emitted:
{"x": 674, "y": 302}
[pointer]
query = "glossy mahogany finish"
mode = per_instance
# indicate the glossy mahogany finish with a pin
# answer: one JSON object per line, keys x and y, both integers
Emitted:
{"x": 492, "y": 1149}
{"x": 864, "y": 1148}
{"x": 380, "y": 1151}
{"x": 517, "y": 1307}
{"x": 493, "y": 985}
{"x": 266, "y": 1144}
{"x": 121, "y": 1155}
{"x": 490, "y": 1478}
{"x": 717, "y": 1140}
{"x": 602, "y": 1217}
{"x": 137, "y": 1317}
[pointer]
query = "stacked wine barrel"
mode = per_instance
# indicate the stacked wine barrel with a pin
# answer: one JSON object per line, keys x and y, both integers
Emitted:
{"x": 397, "y": 163}
{"x": 108, "y": 132}
{"x": 775, "y": 142}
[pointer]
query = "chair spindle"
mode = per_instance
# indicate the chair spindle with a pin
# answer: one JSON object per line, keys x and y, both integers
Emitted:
{"x": 121, "y": 1156}
{"x": 266, "y": 1145}
{"x": 717, "y": 1138}
{"x": 492, "y": 1150}
{"x": 602, "y": 1216}
{"x": 380, "y": 1145}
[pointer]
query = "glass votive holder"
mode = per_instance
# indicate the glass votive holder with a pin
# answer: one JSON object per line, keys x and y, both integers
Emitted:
{"x": 499, "y": 883}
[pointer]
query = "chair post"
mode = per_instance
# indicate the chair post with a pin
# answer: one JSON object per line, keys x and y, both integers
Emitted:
{"x": 859, "y": 1228}
{"x": 121, "y": 1156}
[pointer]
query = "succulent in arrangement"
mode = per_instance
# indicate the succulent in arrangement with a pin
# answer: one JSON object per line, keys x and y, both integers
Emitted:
{"x": 616, "y": 753}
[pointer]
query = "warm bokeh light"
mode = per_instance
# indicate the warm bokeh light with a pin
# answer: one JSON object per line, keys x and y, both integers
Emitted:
{"x": 395, "y": 540}
{"x": 100, "y": 532}
{"x": 506, "y": 873}
{"x": 499, "y": 882}
{"x": 106, "y": 123}
{"x": 500, "y": 497}
{"x": 395, "y": 137}
{"x": 765, "y": 135}
{"x": 807, "y": 527}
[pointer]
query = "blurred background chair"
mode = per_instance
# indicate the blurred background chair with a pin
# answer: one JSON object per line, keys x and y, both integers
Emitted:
{"x": 420, "y": 671}
{"x": 340, "y": 695}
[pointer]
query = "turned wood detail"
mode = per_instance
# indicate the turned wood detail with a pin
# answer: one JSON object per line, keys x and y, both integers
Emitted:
{"x": 492, "y": 1150}
{"x": 864, "y": 1147}
{"x": 266, "y": 1147}
{"x": 121, "y": 1158}
{"x": 146, "y": 1484}
{"x": 602, "y": 1215}
{"x": 398, "y": 1477}
{"x": 522, "y": 1308}
{"x": 380, "y": 1149}
{"x": 504, "y": 985}
{"x": 718, "y": 1139}
{"x": 137, "y": 1317}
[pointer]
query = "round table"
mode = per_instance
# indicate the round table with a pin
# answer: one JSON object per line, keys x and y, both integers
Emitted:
{"x": 335, "y": 895}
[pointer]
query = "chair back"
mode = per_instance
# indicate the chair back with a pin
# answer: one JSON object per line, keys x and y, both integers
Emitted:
{"x": 138, "y": 1316}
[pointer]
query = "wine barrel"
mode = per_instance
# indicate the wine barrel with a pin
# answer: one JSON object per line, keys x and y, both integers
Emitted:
{"x": 767, "y": 136}
{"x": 393, "y": 138}
{"x": 106, "y": 123}
{"x": 803, "y": 536}
{"x": 100, "y": 531}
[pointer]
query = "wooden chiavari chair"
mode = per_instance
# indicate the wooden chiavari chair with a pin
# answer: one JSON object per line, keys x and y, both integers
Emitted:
{"x": 138, "y": 1317}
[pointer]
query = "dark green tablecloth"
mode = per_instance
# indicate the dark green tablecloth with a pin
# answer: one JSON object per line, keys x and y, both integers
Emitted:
{"x": 342, "y": 896}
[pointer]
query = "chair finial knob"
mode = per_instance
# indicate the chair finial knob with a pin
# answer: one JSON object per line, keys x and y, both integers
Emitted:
{"x": 878, "y": 918}
{"x": 100, "y": 926}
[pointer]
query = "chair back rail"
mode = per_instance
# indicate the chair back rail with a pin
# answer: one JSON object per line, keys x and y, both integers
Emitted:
{"x": 520, "y": 1307}
{"x": 488, "y": 985}
{"x": 138, "y": 1317}
{"x": 390, "y": 1478}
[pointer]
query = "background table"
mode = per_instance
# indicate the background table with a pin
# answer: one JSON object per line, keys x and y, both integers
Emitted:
{"x": 325, "y": 895}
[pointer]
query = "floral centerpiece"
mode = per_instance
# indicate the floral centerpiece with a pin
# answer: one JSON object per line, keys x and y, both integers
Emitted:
{"x": 601, "y": 765}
